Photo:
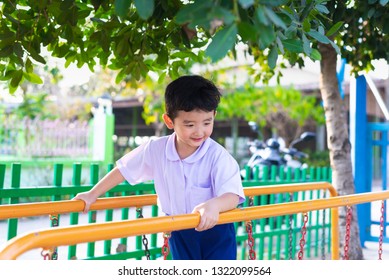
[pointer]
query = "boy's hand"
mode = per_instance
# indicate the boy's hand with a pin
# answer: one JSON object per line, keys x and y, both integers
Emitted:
{"x": 209, "y": 215}
{"x": 209, "y": 210}
{"x": 88, "y": 198}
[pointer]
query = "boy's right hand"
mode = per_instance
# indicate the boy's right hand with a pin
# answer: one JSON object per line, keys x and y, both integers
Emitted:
{"x": 88, "y": 199}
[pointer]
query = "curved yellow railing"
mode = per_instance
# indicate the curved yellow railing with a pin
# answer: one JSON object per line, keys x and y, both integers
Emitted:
{"x": 88, "y": 233}
{"x": 70, "y": 235}
{"x": 68, "y": 206}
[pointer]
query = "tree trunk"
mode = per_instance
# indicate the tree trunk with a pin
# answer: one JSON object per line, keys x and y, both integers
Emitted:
{"x": 339, "y": 147}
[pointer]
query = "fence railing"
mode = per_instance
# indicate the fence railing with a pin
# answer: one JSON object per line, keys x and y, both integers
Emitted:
{"x": 44, "y": 137}
{"x": 275, "y": 236}
{"x": 88, "y": 233}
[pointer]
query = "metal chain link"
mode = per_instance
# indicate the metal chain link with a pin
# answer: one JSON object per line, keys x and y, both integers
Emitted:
{"x": 290, "y": 230}
{"x": 46, "y": 255}
{"x": 381, "y": 238}
{"x": 165, "y": 248}
{"x": 250, "y": 238}
{"x": 145, "y": 241}
{"x": 347, "y": 236}
{"x": 51, "y": 254}
{"x": 302, "y": 240}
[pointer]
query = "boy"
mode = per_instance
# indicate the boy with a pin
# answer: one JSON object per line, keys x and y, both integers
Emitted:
{"x": 191, "y": 172}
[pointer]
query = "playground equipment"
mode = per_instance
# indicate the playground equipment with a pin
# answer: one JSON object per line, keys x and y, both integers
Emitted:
{"x": 58, "y": 236}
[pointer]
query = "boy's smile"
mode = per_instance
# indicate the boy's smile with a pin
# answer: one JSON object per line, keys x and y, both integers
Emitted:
{"x": 192, "y": 129}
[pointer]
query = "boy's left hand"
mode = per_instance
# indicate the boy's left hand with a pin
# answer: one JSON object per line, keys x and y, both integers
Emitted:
{"x": 209, "y": 210}
{"x": 209, "y": 215}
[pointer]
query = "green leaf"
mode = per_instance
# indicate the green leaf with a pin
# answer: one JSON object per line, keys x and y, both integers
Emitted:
{"x": 322, "y": 9}
{"x": 194, "y": 11}
{"x": 6, "y": 51}
{"x": 185, "y": 54}
{"x": 274, "y": 18}
{"x": 273, "y": 56}
{"x": 16, "y": 78}
{"x": 223, "y": 14}
{"x": 222, "y": 42}
{"x": 36, "y": 56}
{"x": 306, "y": 45}
{"x": 334, "y": 28}
{"x": 266, "y": 36}
{"x": 120, "y": 76}
{"x": 69, "y": 59}
{"x": 162, "y": 77}
{"x": 306, "y": 25}
{"x": 122, "y": 7}
{"x": 28, "y": 66}
{"x": 371, "y": 12}
{"x": 261, "y": 17}
{"x": 335, "y": 46}
{"x": 315, "y": 55}
{"x": 163, "y": 57}
{"x": 280, "y": 45}
{"x": 293, "y": 45}
{"x": 247, "y": 31}
{"x": 18, "y": 50}
{"x": 33, "y": 78}
{"x": 145, "y": 8}
{"x": 319, "y": 37}
{"x": 246, "y": 3}
{"x": 12, "y": 89}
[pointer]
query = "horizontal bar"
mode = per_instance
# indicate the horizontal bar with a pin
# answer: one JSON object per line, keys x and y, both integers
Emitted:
{"x": 71, "y": 235}
{"x": 68, "y": 206}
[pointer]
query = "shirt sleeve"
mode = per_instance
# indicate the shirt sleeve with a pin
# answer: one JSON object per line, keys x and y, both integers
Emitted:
{"x": 227, "y": 178}
{"x": 135, "y": 165}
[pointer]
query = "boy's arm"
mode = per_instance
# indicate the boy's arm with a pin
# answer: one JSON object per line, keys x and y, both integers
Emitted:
{"x": 110, "y": 180}
{"x": 209, "y": 210}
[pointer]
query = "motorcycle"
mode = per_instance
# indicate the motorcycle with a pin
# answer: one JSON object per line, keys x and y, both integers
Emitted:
{"x": 271, "y": 153}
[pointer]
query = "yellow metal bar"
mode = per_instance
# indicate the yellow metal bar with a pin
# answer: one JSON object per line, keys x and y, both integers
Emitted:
{"x": 101, "y": 231}
{"x": 284, "y": 188}
{"x": 68, "y": 206}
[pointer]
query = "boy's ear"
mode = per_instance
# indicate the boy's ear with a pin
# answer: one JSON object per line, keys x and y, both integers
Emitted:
{"x": 168, "y": 121}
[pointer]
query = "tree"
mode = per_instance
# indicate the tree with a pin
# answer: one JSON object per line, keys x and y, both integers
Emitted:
{"x": 362, "y": 38}
{"x": 135, "y": 37}
{"x": 150, "y": 35}
{"x": 277, "y": 107}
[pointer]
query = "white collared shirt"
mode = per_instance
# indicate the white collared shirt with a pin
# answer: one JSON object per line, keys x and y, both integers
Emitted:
{"x": 183, "y": 184}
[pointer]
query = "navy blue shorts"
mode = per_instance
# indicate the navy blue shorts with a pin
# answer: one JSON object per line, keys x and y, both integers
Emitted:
{"x": 217, "y": 243}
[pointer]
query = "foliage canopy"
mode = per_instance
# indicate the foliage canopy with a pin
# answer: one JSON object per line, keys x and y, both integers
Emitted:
{"x": 135, "y": 37}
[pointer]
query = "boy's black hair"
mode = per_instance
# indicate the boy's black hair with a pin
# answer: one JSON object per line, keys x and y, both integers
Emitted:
{"x": 191, "y": 92}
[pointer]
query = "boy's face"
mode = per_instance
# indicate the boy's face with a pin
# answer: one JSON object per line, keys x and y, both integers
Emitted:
{"x": 191, "y": 128}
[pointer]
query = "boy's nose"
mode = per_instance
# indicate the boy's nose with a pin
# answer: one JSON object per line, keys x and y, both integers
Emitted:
{"x": 198, "y": 132}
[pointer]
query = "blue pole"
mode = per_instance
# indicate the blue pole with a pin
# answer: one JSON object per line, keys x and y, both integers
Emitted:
{"x": 340, "y": 76}
{"x": 359, "y": 154}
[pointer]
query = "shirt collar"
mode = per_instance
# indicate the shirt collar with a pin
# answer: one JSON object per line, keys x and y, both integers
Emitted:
{"x": 172, "y": 154}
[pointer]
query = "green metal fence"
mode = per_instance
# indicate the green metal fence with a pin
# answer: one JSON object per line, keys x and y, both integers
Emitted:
{"x": 275, "y": 237}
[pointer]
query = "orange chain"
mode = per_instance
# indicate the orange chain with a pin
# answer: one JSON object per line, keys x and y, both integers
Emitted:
{"x": 165, "y": 247}
{"x": 250, "y": 240}
{"x": 347, "y": 236}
